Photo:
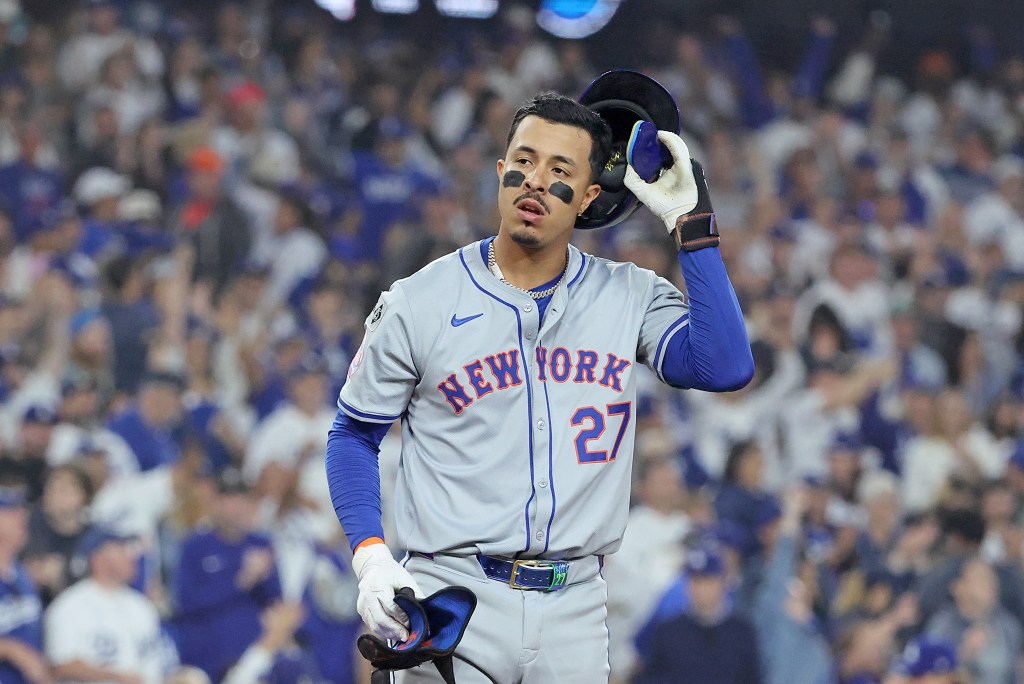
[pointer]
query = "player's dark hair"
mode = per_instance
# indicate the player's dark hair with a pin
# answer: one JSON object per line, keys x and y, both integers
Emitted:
{"x": 560, "y": 109}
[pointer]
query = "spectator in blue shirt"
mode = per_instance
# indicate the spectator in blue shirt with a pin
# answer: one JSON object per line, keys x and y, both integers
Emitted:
{"x": 26, "y": 461}
{"x": 27, "y": 190}
{"x": 709, "y": 643}
{"x": 100, "y": 190}
{"x": 741, "y": 498}
{"x": 21, "y": 659}
{"x": 227, "y": 575}
{"x": 927, "y": 660}
{"x": 133, "y": 318}
{"x": 331, "y": 624}
{"x": 794, "y": 645}
{"x": 387, "y": 184}
{"x": 56, "y": 527}
{"x": 148, "y": 423}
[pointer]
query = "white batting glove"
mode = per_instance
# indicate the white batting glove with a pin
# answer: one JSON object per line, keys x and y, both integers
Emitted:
{"x": 380, "y": 576}
{"x": 674, "y": 193}
{"x": 679, "y": 197}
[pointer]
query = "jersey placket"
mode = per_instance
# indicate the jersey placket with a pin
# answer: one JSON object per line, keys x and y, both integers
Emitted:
{"x": 544, "y": 510}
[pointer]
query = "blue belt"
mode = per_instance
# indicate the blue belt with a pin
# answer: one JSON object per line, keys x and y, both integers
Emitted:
{"x": 537, "y": 575}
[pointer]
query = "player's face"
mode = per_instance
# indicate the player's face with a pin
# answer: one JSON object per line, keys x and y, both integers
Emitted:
{"x": 545, "y": 182}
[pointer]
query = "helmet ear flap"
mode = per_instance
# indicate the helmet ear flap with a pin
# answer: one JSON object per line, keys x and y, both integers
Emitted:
{"x": 622, "y": 98}
{"x": 615, "y": 200}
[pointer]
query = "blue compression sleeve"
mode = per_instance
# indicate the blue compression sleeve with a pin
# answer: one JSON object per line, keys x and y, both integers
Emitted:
{"x": 711, "y": 352}
{"x": 354, "y": 476}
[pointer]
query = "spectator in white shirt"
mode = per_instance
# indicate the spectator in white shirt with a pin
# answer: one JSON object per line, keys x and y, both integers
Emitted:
{"x": 252, "y": 148}
{"x": 999, "y": 215}
{"x": 80, "y": 429}
{"x": 286, "y": 460}
{"x": 857, "y": 296}
{"x": 82, "y": 57}
{"x": 100, "y": 629}
{"x": 959, "y": 445}
{"x": 294, "y": 253}
{"x": 816, "y": 415}
{"x": 452, "y": 117}
{"x": 650, "y": 557}
{"x": 750, "y": 413}
{"x": 121, "y": 90}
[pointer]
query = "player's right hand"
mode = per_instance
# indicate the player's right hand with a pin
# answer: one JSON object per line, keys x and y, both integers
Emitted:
{"x": 380, "y": 576}
{"x": 679, "y": 196}
{"x": 675, "y": 192}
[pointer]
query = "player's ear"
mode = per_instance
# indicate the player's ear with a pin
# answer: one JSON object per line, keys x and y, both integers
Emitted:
{"x": 591, "y": 193}
{"x": 501, "y": 167}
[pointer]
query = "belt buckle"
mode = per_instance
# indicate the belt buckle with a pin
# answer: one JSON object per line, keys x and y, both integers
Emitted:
{"x": 513, "y": 579}
{"x": 559, "y": 574}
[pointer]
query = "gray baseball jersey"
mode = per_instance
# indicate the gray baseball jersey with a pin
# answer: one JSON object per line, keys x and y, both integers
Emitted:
{"x": 517, "y": 434}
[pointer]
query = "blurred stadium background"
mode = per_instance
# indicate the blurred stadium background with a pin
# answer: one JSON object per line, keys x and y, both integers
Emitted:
{"x": 199, "y": 201}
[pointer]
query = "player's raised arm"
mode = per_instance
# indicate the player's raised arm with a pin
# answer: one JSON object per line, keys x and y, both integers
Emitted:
{"x": 711, "y": 352}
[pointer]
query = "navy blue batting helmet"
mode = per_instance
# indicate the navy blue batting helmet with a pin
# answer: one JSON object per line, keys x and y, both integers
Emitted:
{"x": 622, "y": 98}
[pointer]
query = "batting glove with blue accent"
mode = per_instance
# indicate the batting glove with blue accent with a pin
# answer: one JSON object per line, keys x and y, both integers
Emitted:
{"x": 380, "y": 577}
{"x": 679, "y": 195}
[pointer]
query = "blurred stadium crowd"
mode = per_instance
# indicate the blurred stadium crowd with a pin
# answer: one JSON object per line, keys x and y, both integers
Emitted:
{"x": 197, "y": 215}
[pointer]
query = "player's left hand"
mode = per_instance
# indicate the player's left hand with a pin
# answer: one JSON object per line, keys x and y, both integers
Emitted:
{"x": 679, "y": 196}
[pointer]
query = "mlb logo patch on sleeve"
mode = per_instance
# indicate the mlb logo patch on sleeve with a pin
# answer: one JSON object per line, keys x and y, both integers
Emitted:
{"x": 373, "y": 320}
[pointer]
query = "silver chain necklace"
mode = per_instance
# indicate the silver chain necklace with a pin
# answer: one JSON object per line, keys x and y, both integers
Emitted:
{"x": 492, "y": 265}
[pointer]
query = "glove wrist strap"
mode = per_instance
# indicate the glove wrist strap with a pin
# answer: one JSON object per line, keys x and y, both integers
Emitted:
{"x": 696, "y": 231}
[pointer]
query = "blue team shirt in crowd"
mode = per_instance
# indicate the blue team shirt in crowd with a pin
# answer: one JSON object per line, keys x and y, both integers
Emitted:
{"x": 201, "y": 416}
{"x": 131, "y": 326}
{"x": 99, "y": 237}
{"x": 387, "y": 196}
{"x": 28, "y": 193}
{"x": 215, "y": 620}
{"x": 331, "y": 619}
{"x": 270, "y": 396}
{"x": 20, "y": 617}
{"x": 153, "y": 446}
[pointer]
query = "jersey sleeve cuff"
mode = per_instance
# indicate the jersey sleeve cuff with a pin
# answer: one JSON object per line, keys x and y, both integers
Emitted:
{"x": 659, "y": 354}
{"x": 366, "y": 416}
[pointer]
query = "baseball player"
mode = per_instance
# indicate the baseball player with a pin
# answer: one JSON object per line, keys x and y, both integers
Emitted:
{"x": 511, "y": 365}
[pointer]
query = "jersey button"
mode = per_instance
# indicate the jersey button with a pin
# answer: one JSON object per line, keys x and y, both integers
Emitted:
{"x": 541, "y": 424}
{"x": 540, "y": 535}
{"x": 529, "y": 334}
{"x": 542, "y": 484}
{"x": 528, "y": 308}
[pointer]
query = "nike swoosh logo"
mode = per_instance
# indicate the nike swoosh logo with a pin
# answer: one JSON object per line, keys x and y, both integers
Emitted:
{"x": 456, "y": 322}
